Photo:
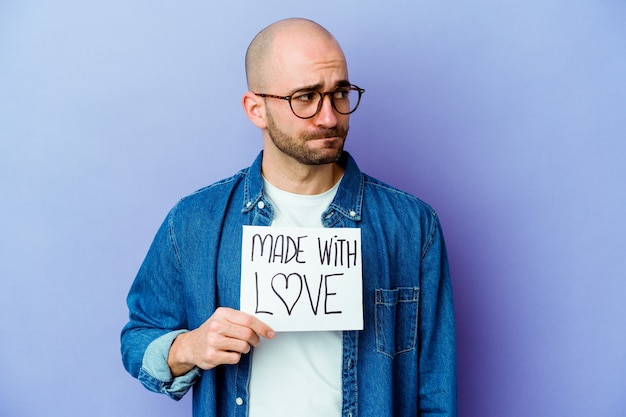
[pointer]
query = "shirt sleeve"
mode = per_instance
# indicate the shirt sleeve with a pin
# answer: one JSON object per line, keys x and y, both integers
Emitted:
{"x": 155, "y": 373}
{"x": 437, "y": 358}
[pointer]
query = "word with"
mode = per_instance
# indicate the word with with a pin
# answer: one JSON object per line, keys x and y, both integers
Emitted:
{"x": 338, "y": 252}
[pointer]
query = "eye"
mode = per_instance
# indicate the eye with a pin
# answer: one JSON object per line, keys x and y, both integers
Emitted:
{"x": 304, "y": 96}
{"x": 341, "y": 94}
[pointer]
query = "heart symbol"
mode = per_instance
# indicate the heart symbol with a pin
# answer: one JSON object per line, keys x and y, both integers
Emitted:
{"x": 290, "y": 296}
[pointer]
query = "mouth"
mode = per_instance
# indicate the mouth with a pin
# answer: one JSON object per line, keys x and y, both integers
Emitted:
{"x": 328, "y": 134}
{"x": 326, "y": 138}
{"x": 334, "y": 136}
{"x": 327, "y": 141}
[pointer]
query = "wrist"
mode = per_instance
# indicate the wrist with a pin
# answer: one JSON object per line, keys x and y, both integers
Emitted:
{"x": 177, "y": 358}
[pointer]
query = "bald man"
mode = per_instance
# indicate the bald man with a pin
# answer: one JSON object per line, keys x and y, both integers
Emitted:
{"x": 186, "y": 329}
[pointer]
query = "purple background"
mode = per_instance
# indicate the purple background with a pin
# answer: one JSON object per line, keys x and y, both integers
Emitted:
{"x": 507, "y": 117}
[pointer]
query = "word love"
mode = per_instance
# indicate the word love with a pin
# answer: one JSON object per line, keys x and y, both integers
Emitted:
{"x": 289, "y": 289}
{"x": 302, "y": 279}
{"x": 285, "y": 249}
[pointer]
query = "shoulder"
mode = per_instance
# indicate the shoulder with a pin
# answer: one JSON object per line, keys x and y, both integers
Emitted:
{"x": 210, "y": 198}
{"x": 383, "y": 193}
{"x": 379, "y": 198}
{"x": 394, "y": 212}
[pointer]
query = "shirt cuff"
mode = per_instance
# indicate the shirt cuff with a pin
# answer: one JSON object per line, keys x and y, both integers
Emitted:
{"x": 155, "y": 373}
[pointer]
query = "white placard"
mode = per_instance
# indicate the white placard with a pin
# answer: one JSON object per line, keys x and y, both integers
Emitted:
{"x": 302, "y": 279}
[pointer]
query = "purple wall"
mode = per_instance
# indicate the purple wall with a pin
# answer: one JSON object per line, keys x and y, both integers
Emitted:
{"x": 507, "y": 117}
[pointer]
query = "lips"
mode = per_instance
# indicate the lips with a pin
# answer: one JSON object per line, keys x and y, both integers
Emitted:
{"x": 330, "y": 134}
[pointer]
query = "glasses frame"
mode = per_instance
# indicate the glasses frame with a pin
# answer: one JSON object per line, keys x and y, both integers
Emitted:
{"x": 351, "y": 87}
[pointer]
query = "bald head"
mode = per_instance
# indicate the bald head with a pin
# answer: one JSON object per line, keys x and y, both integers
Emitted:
{"x": 277, "y": 39}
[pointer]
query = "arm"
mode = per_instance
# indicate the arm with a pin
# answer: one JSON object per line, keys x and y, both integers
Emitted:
{"x": 437, "y": 358}
{"x": 155, "y": 302}
{"x": 156, "y": 345}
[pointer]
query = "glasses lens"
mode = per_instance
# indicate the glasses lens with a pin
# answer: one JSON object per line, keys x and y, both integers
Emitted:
{"x": 346, "y": 100}
{"x": 306, "y": 104}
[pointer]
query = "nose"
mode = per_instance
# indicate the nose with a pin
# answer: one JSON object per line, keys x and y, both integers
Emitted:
{"x": 327, "y": 117}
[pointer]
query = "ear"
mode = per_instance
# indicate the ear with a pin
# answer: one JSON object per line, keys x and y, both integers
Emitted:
{"x": 254, "y": 107}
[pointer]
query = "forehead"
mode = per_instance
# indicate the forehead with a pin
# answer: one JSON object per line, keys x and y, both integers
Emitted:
{"x": 302, "y": 61}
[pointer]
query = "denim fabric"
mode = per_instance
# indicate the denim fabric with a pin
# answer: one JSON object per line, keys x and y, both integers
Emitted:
{"x": 156, "y": 372}
{"x": 404, "y": 361}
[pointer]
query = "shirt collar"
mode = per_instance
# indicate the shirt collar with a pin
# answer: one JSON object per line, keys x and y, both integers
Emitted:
{"x": 348, "y": 201}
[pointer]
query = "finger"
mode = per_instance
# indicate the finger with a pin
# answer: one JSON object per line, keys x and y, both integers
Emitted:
{"x": 246, "y": 321}
{"x": 253, "y": 323}
{"x": 221, "y": 349}
{"x": 226, "y": 324}
{"x": 219, "y": 358}
{"x": 230, "y": 344}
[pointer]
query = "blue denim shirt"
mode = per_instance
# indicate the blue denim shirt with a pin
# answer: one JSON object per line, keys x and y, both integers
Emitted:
{"x": 404, "y": 361}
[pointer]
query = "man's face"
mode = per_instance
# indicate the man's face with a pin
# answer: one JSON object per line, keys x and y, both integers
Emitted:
{"x": 307, "y": 64}
{"x": 310, "y": 147}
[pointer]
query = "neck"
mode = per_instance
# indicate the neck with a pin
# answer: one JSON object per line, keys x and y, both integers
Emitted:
{"x": 294, "y": 177}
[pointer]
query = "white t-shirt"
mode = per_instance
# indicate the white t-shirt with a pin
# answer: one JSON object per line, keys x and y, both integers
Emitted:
{"x": 297, "y": 373}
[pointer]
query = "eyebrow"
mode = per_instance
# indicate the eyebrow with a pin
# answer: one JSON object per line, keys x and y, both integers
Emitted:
{"x": 318, "y": 87}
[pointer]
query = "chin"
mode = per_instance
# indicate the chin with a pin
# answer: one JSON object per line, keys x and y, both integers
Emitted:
{"x": 323, "y": 158}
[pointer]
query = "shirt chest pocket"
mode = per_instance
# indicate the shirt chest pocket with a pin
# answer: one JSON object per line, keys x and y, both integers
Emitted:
{"x": 396, "y": 320}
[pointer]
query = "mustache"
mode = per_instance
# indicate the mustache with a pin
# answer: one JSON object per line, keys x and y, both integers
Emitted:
{"x": 327, "y": 133}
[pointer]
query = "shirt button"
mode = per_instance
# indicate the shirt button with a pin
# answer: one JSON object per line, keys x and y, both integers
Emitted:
{"x": 239, "y": 401}
{"x": 261, "y": 205}
{"x": 352, "y": 213}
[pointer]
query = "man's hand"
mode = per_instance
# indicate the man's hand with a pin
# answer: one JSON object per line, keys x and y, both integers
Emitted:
{"x": 220, "y": 340}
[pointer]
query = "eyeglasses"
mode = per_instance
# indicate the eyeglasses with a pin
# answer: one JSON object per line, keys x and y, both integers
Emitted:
{"x": 306, "y": 104}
